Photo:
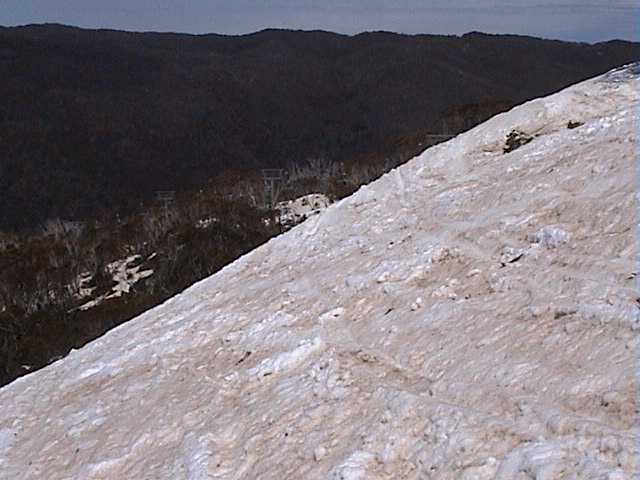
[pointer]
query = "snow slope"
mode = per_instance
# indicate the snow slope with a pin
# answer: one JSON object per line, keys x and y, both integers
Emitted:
{"x": 470, "y": 315}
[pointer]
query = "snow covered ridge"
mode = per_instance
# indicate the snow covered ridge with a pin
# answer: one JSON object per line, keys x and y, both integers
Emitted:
{"x": 471, "y": 315}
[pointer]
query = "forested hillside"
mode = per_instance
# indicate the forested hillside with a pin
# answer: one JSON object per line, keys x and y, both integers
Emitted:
{"x": 97, "y": 121}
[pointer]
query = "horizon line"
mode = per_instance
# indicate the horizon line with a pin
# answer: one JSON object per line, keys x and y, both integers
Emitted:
{"x": 304, "y": 30}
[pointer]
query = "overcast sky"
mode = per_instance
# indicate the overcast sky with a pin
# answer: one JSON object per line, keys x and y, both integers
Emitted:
{"x": 580, "y": 20}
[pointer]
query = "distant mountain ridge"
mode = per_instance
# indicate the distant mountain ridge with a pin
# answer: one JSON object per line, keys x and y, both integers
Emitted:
{"x": 97, "y": 120}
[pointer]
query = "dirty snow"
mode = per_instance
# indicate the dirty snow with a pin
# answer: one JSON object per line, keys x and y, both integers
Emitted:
{"x": 471, "y": 315}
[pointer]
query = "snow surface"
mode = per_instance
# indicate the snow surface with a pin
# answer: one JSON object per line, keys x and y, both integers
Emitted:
{"x": 470, "y": 315}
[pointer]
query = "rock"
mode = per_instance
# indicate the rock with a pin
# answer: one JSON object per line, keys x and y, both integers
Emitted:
{"x": 515, "y": 140}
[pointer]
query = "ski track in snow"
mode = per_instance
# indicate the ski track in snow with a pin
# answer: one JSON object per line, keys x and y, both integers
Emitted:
{"x": 470, "y": 315}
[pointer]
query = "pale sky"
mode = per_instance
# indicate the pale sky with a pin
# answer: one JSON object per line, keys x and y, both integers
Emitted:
{"x": 587, "y": 20}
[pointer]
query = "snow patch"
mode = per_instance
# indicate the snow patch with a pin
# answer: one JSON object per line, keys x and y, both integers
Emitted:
{"x": 295, "y": 211}
{"x": 125, "y": 275}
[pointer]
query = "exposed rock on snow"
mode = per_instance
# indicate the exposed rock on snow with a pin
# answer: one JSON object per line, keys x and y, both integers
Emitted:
{"x": 474, "y": 320}
{"x": 515, "y": 140}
